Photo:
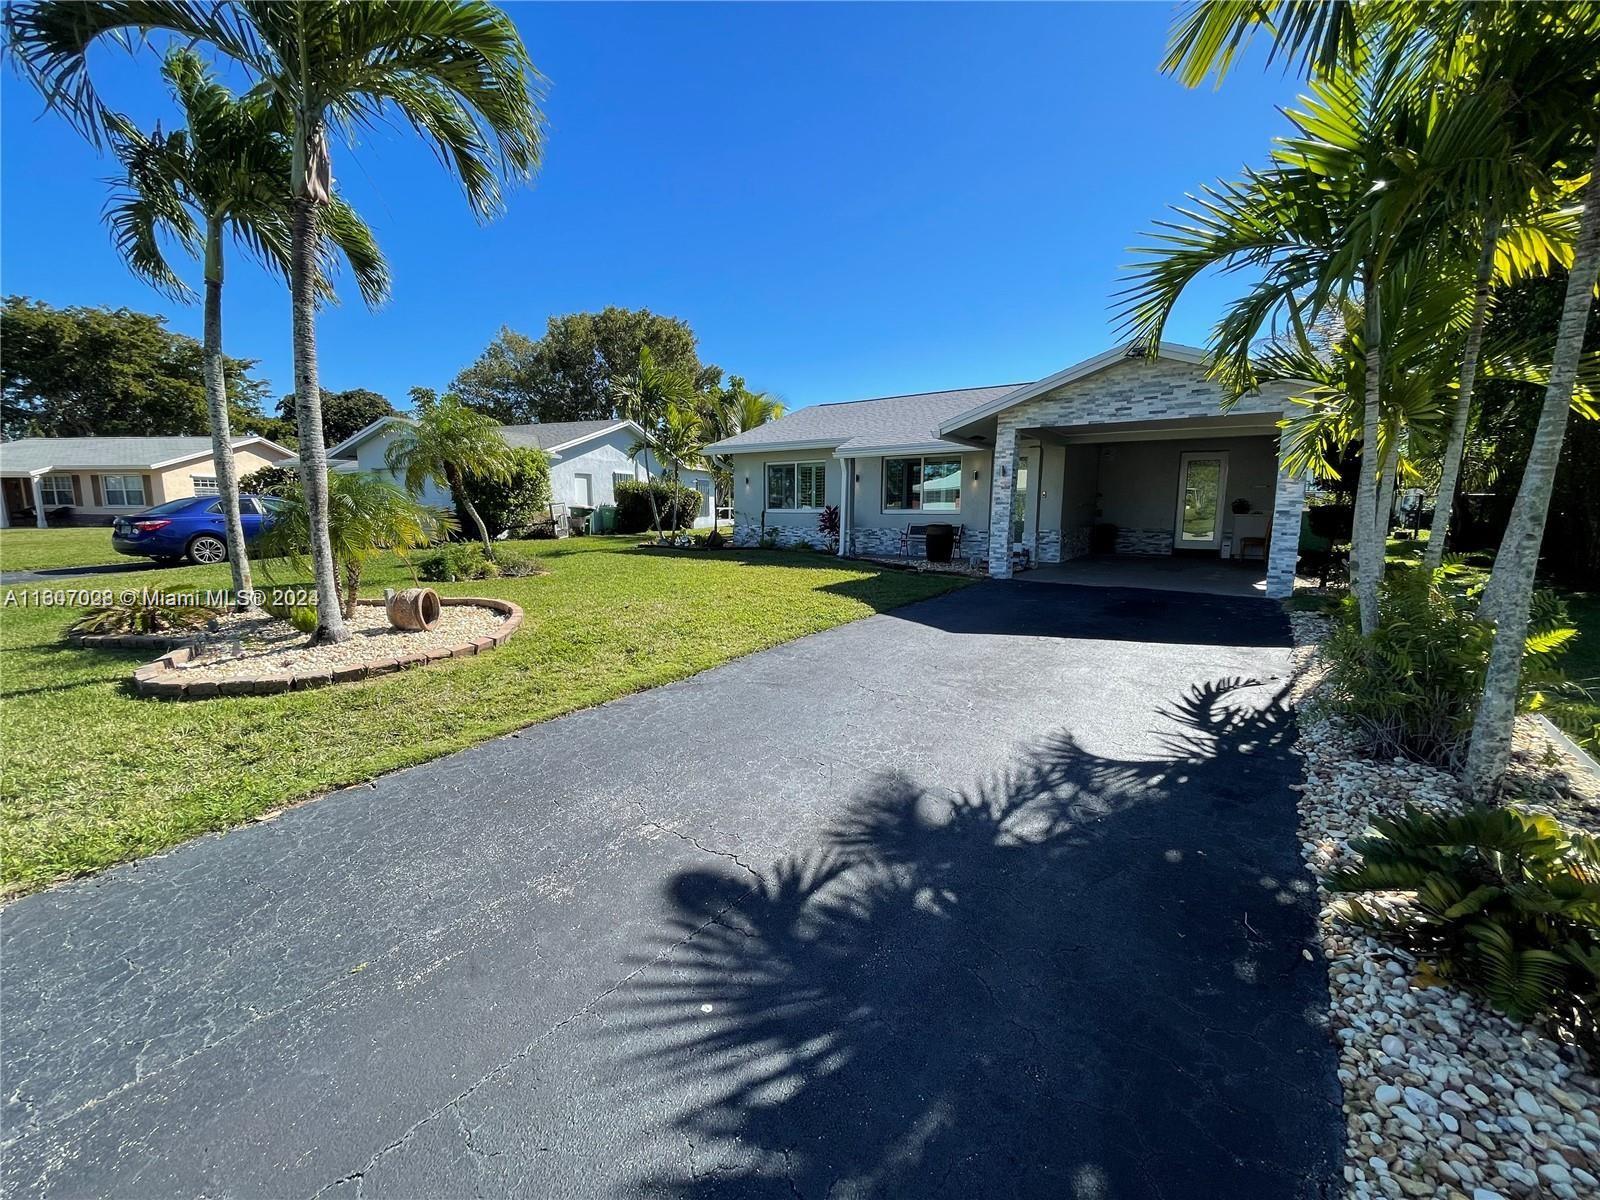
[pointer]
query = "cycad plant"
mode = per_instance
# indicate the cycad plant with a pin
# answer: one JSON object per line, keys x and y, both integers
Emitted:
{"x": 226, "y": 173}
{"x": 449, "y": 444}
{"x": 1499, "y": 900}
{"x": 454, "y": 71}
{"x": 367, "y": 516}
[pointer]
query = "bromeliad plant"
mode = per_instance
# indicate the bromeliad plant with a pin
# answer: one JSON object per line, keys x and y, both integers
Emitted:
{"x": 1498, "y": 900}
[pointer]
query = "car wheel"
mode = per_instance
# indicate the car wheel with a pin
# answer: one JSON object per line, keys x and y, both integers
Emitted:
{"x": 207, "y": 550}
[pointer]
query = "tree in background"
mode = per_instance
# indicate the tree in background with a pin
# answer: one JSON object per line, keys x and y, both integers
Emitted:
{"x": 86, "y": 372}
{"x": 343, "y": 413}
{"x": 223, "y": 176}
{"x": 457, "y": 73}
{"x": 446, "y": 444}
{"x": 569, "y": 373}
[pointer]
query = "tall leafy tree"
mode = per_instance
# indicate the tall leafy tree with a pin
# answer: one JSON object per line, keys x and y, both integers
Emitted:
{"x": 657, "y": 397}
{"x": 343, "y": 413}
{"x": 225, "y": 174}
{"x": 80, "y": 371}
{"x": 455, "y": 71}
{"x": 450, "y": 445}
{"x": 567, "y": 374}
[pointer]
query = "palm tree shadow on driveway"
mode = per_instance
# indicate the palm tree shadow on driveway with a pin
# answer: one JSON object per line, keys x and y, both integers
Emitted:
{"x": 1085, "y": 978}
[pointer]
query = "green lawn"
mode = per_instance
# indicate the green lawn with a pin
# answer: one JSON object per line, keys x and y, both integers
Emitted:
{"x": 23, "y": 549}
{"x": 91, "y": 775}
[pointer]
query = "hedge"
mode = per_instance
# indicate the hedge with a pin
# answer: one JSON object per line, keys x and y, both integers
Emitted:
{"x": 678, "y": 505}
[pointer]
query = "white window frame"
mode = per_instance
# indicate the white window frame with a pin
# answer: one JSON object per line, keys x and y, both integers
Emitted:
{"x": 57, "y": 486}
{"x": 105, "y": 490}
{"x": 205, "y": 485}
{"x": 583, "y": 481}
{"x": 1215, "y": 541}
{"x": 921, "y": 460}
{"x": 795, "y": 465}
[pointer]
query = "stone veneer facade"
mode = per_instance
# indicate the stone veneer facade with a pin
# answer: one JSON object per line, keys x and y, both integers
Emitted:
{"x": 1138, "y": 389}
{"x": 863, "y": 542}
{"x": 1144, "y": 541}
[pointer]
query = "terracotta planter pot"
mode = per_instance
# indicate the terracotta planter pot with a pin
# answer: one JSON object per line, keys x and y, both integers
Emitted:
{"x": 413, "y": 608}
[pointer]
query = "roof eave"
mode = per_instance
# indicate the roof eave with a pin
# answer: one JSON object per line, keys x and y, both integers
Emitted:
{"x": 726, "y": 446}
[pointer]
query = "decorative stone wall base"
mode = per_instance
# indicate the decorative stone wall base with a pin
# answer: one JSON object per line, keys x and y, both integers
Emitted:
{"x": 1047, "y": 545}
{"x": 1144, "y": 541}
{"x": 1074, "y": 543}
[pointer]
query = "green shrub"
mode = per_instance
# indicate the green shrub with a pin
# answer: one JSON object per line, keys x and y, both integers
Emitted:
{"x": 455, "y": 563}
{"x": 514, "y": 563}
{"x": 1502, "y": 901}
{"x": 516, "y": 503}
{"x": 302, "y": 616}
{"x": 1412, "y": 687}
{"x": 678, "y": 505}
{"x": 270, "y": 481}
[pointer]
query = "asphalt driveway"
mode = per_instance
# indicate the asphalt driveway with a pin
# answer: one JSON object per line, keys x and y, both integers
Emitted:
{"x": 995, "y": 895}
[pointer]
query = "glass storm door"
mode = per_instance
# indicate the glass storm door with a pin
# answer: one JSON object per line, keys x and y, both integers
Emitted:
{"x": 1202, "y": 479}
{"x": 1021, "y": 524}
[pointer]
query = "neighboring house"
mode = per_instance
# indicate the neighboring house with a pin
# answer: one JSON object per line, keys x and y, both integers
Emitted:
{"x": 90, "y": 480}
{"x": 587, "y": 459}
{"x": 1138, "y": 445}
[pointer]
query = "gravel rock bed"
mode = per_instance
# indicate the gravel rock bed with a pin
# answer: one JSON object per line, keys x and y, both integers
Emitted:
{"x": 1443, "y": 1096}
{"x": 241, "y": 645}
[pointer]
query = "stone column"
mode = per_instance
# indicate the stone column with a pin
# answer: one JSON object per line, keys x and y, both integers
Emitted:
{"x": 1289, "y": 501}
{"x": 38, "y": 502}
{"x": 1002, "y": 497}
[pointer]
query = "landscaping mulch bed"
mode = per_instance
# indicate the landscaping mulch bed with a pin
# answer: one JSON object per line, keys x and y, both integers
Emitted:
{"x": 253, "y": 653}
{"x": 1442, "y": 1096}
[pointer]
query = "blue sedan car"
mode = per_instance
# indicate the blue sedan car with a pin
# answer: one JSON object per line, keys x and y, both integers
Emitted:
{"x": 190, "y": 528}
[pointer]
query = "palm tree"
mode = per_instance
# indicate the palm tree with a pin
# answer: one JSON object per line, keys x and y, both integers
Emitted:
{"x": 1362, "y": 187}
{"x": 456, "y": 71}
{"x": 367, "y": 515}
{"x": 729, "y": 411}
{"x": 648, "y": 397}
{"x": 227, "y": 172}
{"x": 450, "y": 445}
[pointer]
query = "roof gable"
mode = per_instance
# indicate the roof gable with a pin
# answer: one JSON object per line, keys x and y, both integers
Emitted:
{"x": 862, "y": 426}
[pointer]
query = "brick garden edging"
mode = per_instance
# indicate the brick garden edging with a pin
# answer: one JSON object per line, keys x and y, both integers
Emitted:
{"x": 160, "y": 680}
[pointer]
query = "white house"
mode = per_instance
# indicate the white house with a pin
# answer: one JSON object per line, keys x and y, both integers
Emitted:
{"x": 587, "y": 460}
{"x": 1132, "y": 447}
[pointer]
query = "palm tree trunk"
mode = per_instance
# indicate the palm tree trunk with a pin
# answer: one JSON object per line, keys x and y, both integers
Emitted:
{"x": 650, "y": 491}
{"x": 308, "y": 415}
{"x": 221, "y": 435}
{"x": 1450, "y": 470}
{"x": 352, "y": 587}
{"x": 459, "y": 491}
{"x": 1364, "y": 546}
{"x": 1510, "y": 591}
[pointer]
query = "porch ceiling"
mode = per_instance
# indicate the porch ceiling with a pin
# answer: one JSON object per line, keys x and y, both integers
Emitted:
{"x": 1223, "y": 425}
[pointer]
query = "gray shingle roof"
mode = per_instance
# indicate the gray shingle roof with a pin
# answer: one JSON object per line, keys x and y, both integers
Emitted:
{"x": 552, "y": 433}
{"x": 885, "y": 422}
{"x": 33, "y": 454}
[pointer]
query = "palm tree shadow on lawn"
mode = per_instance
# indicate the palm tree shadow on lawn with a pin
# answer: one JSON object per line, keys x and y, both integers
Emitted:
{"x": 1081, "y": 978}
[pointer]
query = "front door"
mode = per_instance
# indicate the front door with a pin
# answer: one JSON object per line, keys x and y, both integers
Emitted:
{"x": 1202, "y": 482}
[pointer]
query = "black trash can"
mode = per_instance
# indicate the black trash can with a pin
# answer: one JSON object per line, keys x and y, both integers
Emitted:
{"x": 941, "y": 540}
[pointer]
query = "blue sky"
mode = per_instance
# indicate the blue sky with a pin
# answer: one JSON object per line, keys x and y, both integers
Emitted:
{"x": 843, "y": 201}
